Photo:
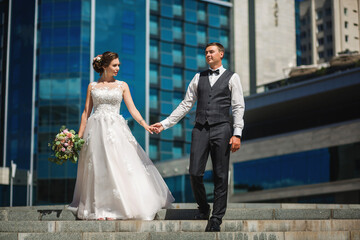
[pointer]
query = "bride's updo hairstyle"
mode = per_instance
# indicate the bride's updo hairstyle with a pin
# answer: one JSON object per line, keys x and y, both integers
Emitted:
{"x": 103, "y": 61}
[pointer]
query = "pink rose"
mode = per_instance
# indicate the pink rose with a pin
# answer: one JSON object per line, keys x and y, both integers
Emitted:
{"x": 65, "y": 144}
{"x": 63, "y": 149}
{"x": 69, "y": 134}
{"x": 65, "y": 131}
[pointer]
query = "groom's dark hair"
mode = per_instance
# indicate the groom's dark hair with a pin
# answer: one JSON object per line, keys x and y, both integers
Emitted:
{"x": 218, "y": 45}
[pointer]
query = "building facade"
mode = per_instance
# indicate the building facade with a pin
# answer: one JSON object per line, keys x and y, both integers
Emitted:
{"x": 327, "y": 28}
{"x": 264, "y": 42}
{"x": 300, "y": 142}
{"x": 179, "y": 32}
{"x": 161, "y": 47}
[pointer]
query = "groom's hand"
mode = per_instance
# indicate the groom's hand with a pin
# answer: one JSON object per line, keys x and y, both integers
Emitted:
{"x": 235, "y": 143}
{"x": 159, "y": 127}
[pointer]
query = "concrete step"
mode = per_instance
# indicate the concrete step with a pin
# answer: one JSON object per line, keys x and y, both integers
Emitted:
{"x": 242, "y": 221}
{"x": 338, "y": 235}
{"x": 178, "y": 226}
{"x": 49, "y": 214}
{"x": 186, "y": 211}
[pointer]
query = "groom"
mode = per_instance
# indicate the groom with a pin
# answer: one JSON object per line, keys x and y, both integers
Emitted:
{"x": 217, "y": 90}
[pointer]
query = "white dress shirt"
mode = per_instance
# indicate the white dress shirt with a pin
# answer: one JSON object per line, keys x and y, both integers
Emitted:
{"x": 237, "y": 101}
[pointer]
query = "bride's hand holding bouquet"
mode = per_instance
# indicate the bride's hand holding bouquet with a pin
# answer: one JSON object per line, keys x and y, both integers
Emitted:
{"x": 66, "y": 146}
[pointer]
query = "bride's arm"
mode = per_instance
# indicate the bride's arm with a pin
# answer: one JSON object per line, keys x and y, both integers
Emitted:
{"x": 87, "y": 111}
{"x": 131, "y": 107}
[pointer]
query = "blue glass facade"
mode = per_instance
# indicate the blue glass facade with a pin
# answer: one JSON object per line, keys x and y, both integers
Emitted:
{"x": 302, "y": 168}
{"x": 179, "y": 32}
{"x": 62, "y": 79}
{"x": 19, "y": 91}
{"x": 120, "y": 27}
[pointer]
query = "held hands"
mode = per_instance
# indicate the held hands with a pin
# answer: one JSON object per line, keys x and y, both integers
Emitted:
{"x": 157, "y": 127}
{"x": 147, "y": 127}
{"x": 235, "y": 143}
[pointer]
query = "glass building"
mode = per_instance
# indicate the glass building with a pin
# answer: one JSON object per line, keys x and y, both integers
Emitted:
{"x": 159, "y": 57}
{"x": 179, "y": 32}
{"x": 46, "y": 52}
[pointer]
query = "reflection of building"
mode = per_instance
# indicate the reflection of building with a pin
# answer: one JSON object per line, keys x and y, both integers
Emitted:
{"x": 264, "y": 41}
{"x": 327, "y": 28}
{"x": 179, "y": 32}
{"x": 158, "y": 58}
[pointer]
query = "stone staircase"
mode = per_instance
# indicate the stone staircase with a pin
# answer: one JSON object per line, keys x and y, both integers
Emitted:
{"x": 241, "y": 222}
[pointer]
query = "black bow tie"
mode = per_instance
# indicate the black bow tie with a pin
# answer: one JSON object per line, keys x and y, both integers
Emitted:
{"x": 216, "y": 72}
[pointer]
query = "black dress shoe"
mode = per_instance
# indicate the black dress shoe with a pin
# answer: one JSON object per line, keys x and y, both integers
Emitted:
{"x": 213, "y": 225}
{"x": 202, "y": 215}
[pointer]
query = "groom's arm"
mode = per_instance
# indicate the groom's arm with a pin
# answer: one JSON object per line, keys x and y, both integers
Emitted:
{"x": 238, "y": 108}
{"x": 237, "y": 104}
{"x": 185, "y": 106}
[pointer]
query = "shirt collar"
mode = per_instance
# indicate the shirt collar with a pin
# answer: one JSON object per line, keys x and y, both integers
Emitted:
{"x": 221, "y": 69}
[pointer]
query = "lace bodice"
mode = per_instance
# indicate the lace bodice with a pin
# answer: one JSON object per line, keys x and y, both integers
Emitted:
{"x": 106, "y": 99}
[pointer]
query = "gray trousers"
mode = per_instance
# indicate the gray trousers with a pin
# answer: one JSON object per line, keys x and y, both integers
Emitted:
{"x": 212, "y": 139}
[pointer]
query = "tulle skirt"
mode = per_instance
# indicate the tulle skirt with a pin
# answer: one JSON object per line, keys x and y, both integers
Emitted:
{"x": 115, "y": 177}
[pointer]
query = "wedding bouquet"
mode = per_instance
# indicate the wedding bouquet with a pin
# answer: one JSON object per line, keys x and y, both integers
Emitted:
{"x": 66, "y": 146}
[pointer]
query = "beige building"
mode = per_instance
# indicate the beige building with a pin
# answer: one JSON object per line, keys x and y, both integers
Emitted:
{"x": 327, "y": 28}
{"x": 264, "y": 41}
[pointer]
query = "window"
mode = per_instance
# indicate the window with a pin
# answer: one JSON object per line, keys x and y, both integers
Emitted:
{"x": 177, "y": 54}
{"x": 177, "y": 30}
{"x": 153, "y": 98}
{"x": 166, "y": 11}
{"x": 154, "y": 49}
{"x": 154, "y": 25}
{"x": 154, "y": 149}
{"x": 201, "y": 35}
{"x": 320, "y": 28}
{"x": 346, "y": 38}
{"x": 153, "y": 73}
{"x": 321, "y": 41}
{"x": 321, "y": 54}
{"x": 328, "y": 11}
{"x": 329, "y": 39}
{"x": 303, "y": 35}
{"x": 346, "y": 24}
{"x": 154, "y": 5}
{"x": 319, "y": 15}
{"x": 177, "y": 8}
{"x": 177, "y": 149}
{"x": 201, "y": 12}
{"x": 178, "y": 78}
{"x": 128, "y": 43}
{"x": 345, "y": 11}
{"x": 224, "y": 16}
{"x": 128, "y": 19}
{"x": 330, "y": 52}
{"x": 224, "y": 39}
{"x": 328, "y": 25}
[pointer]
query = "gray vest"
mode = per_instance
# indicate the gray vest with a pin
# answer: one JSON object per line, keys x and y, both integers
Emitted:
{"x": 213, "y": 104}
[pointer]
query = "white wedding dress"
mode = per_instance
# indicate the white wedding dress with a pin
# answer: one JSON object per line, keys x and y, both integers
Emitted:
{"x": 115, "y": 178}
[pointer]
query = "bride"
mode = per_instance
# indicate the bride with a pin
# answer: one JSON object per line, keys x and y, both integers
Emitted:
{"x": 115, "y": 178}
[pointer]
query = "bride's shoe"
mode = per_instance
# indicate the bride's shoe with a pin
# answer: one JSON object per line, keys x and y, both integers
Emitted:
{"x": 110, "y": 219}
{"x": 101, "y": 219}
